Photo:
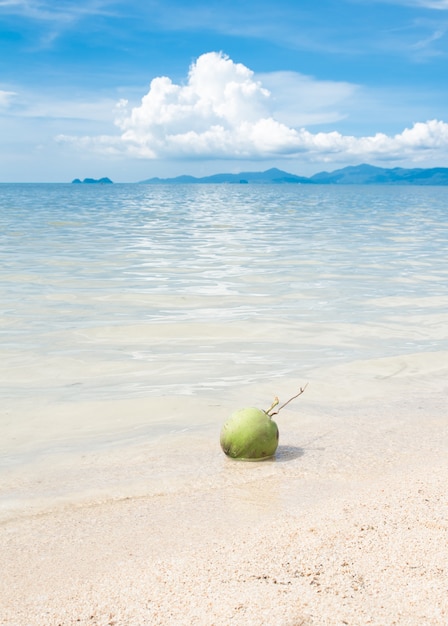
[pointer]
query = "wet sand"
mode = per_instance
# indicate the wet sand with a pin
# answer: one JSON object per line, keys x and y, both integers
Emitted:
{"x": 348, "y": 525}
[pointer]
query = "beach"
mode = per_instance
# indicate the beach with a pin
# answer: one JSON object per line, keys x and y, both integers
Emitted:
{"x": 347, "y": 525}
{"x": 135, "y": 319}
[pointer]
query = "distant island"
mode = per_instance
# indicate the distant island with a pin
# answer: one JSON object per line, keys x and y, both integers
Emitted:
{"x": 92, "y": 181}
{"x": 353, "y": 175}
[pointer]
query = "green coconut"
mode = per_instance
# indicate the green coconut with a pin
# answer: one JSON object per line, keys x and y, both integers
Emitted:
{"x": 250, "y": 434}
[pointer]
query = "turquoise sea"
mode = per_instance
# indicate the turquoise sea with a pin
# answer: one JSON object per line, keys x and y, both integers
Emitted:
{"x": 127, "y": 311}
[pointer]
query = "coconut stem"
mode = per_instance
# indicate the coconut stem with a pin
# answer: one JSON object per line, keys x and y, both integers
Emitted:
{"x": 273, "y": 405}
{"x": 276, "y": 401}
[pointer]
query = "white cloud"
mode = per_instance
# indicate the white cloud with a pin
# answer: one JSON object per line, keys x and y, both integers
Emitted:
{"x": 50, "y": 11}
{"x": 299, "y": 100}
{"x": 51, "y": 19}
{"x": 99, "y": 110}
{"x": 213, "y": 112}
{"x": 224, "y": 112}
{"x": 6, "y": 97}
{"x": 440, "y": 5}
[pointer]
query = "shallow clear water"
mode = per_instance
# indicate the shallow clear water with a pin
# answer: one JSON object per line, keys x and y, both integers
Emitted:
{"x": 148, "y": 279}
{"x": 128, "y": 292}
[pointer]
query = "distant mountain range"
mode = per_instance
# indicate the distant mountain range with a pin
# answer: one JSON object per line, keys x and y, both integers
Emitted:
{"x": 352, "y": 175}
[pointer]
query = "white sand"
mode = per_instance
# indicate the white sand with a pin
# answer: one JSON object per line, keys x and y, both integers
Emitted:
{"x": 349, "y": 525}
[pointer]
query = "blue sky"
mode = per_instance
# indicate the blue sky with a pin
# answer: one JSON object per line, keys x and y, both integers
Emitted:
{"x": 139, "y": 88}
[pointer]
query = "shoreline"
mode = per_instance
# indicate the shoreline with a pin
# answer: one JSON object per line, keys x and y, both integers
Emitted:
{"x": 58, "y": 449}
{"x": 348, "y": 525}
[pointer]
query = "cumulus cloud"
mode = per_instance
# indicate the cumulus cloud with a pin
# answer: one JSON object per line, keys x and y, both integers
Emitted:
{"x": 224, "y": 112}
